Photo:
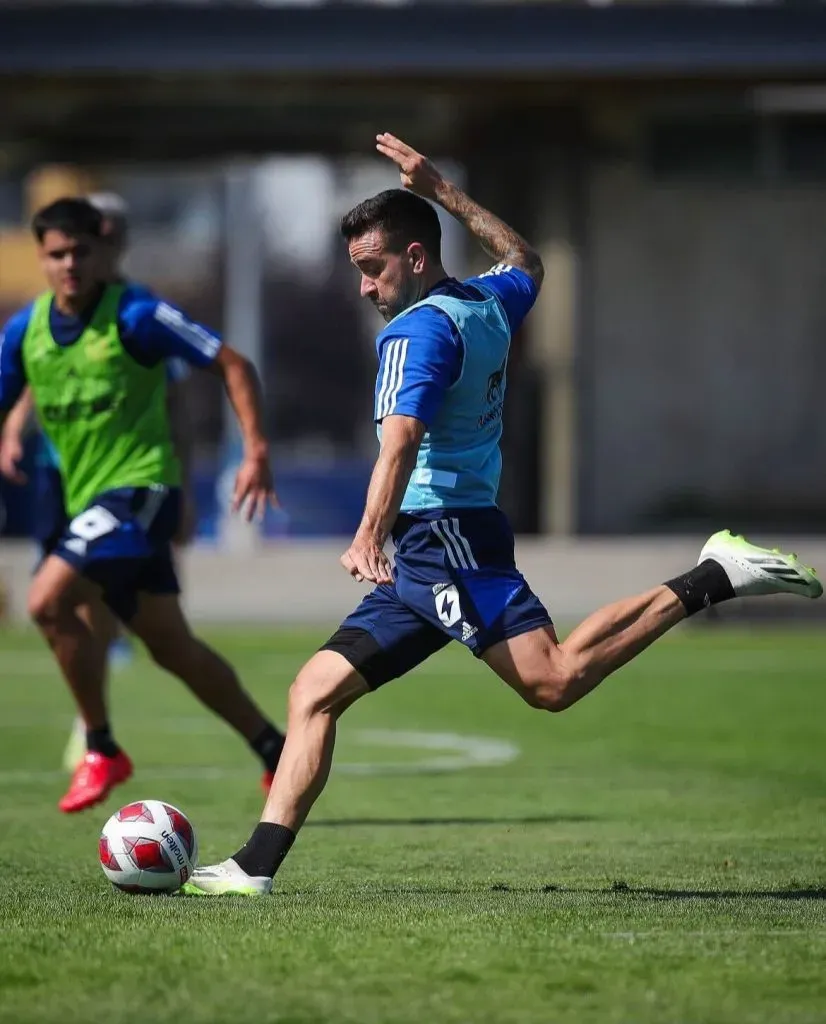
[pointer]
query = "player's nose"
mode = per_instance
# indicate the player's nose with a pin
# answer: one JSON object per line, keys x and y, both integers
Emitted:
{"x": 368, "y": 288}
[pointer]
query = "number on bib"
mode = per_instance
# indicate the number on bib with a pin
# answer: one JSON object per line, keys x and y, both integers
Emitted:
{"x": 94, "y": 523}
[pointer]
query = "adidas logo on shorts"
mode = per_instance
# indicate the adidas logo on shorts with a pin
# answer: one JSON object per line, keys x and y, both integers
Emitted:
{"x": 468, "y": 631}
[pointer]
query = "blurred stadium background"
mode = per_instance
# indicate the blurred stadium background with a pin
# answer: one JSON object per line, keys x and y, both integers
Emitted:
{"x": 669, "y": 160}
{"x": 657, "y": 854}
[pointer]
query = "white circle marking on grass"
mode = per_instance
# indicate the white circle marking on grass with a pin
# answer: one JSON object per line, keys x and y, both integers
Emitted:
{"x": 450, "y": 752}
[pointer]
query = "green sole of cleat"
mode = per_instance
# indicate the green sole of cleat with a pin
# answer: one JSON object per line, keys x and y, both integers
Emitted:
{"x": 192, "y": 890}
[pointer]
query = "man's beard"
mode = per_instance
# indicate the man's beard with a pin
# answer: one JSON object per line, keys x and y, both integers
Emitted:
{"x": 391, "y": 310}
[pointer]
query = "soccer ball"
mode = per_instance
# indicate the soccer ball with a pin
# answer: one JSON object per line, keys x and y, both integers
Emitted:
{"x": 148, "y": 847}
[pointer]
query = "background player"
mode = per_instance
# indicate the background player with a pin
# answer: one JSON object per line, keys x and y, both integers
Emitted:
{"x": 93, "y": 353}
{"x": 439, "y": 394}
{"x": 50, "y": 517}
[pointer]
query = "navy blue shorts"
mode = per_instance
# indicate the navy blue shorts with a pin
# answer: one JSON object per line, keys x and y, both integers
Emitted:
{"x": 455, "y": 579}
{"x": 123, "y": 542}
{"x": 50, "y": 518}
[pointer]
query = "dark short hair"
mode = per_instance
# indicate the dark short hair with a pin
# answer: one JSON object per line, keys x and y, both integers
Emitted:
{"x": 404, "y": 218}
{"x": 73, "y": 217}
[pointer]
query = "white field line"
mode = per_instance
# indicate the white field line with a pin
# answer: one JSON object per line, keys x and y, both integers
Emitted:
{"x": 450, "y": 752}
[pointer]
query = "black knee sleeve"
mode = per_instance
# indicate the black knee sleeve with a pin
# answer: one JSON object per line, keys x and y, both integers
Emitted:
{"x": 375, "y": 665}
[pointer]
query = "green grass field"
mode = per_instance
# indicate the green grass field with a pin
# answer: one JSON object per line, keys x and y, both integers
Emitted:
{"x": 658, "y": 853}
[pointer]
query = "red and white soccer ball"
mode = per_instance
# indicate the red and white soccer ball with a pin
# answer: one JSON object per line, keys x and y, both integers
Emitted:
{"x": 148, "y": 847}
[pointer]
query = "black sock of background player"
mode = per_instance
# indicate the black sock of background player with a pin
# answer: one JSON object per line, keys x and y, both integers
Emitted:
{"x": 100, "y": 741}
{"x": 704, "y": 585}
{"x": 265, "y": 849}
{"x": 268, "y": 744}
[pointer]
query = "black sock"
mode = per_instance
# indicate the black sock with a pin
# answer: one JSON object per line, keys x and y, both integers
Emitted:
{"x": 100, "y": 741}
{"x": 265, "y": 849}
{"x": 268, "y": 744}
{"x": 704, "y": 585}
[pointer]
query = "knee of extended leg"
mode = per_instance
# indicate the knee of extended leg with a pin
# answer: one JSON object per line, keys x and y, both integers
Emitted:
{"x": 545, "y": 698}
{"x": 554, "y": 693}
{"x": 555, "y": 700}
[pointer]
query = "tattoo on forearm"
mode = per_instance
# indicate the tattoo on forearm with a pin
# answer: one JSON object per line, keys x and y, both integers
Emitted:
{"x": 498, "y": 240}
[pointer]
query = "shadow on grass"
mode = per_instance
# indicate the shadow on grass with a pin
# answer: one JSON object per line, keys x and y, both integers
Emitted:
{"x": 645, "y": 892}
{"x": 549, "y": 819}
{"x": 716, "y": 894}
{"x": 617, "y": 889}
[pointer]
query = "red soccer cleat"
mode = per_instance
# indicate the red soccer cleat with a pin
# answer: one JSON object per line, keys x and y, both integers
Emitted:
{"x": 266, "y": 781}
{"x": 95, "y": 776}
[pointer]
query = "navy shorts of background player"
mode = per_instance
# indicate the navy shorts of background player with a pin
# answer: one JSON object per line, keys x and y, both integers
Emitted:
{"x": 50, "y": 516}
{"x": 444, "y": 362}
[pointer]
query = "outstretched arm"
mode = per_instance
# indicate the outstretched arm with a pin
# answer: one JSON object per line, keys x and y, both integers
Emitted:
{"x": 497, "y": 238}
{"x": 154, "y": 330}
{"x": 400, "y": 439}
{"x": 253, "y": 485}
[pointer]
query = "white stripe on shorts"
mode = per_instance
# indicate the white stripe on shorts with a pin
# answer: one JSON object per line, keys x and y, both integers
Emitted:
{"x": 152, "y": 505}
{"x": 454, "y": 551}
{"x": 461, "y": 540}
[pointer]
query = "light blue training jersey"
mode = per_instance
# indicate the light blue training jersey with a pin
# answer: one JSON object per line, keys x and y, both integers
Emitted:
{"x": 444, "y": 361}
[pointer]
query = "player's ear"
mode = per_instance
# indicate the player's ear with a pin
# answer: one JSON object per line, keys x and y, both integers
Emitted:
{"x": 415, "y": 253}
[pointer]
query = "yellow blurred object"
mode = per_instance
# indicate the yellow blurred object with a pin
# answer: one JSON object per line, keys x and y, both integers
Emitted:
{"x": 46, "y": 184}
{"x": 20, "y": 277}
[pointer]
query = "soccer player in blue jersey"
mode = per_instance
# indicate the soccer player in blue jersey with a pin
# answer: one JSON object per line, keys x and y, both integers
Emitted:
{"x": 93, "y": 352}
{"x": 439, "y": 393}
{"x": 50, "y": 515}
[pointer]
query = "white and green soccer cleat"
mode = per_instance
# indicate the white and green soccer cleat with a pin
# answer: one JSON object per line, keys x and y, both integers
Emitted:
{"x": 225, "y": 879}
{"x": 753, "y": 571}
{"x": 76, "y": 747}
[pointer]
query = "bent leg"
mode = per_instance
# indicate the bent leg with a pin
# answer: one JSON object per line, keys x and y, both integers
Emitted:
{"x": 326, "y": 686}
{"x": 160, "y": 623}
{"x": 55, "y": 596}
{"x": 322, "y": 691}
{"x": 57, "y": 591}
{"x": 100, "y": 621}
{"x": 103, "y": 626}
{"x": 554, "y": 676}
{"x": 381, "y": 640}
